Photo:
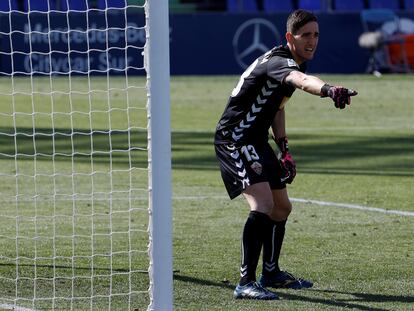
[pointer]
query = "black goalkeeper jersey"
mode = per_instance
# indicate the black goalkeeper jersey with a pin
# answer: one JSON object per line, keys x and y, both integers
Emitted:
{"x": 259, "y": 94}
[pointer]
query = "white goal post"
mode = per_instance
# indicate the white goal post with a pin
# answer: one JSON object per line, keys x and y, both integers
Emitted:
{"x": 160, "y": 151}
{"x": 85, "y": 155}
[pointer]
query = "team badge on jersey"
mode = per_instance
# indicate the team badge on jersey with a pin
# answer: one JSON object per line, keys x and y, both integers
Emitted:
{"x": 291, "y": 63}
{"x": 257, "y": 167}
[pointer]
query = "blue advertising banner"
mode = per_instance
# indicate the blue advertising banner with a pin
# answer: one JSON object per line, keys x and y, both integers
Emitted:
{"x": 76, "y": 43}
{"x": 200, "y": 44}
{"x": 226, "y": 44}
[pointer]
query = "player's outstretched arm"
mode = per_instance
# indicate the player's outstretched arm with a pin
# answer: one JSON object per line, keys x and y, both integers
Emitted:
{"x": 313, "y": 85}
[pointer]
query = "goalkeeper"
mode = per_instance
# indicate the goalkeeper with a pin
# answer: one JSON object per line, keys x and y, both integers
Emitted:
{"x": 248, "y": 164}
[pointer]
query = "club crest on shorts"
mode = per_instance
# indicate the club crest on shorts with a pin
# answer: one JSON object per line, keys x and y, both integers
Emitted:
{"x": 257, "y": 167}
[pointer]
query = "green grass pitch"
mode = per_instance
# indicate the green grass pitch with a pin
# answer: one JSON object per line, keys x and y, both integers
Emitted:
{"x": 363, "y": 155}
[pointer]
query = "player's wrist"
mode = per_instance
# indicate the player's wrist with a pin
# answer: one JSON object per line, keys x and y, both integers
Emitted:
{"x": 283, "y": 144}
{"x": 325, "y": 90}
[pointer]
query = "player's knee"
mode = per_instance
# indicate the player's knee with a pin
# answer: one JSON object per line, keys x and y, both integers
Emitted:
{"x": 283, "y": 210}
{"x": 263, "y": 207}
{"x": 287, "y": 207}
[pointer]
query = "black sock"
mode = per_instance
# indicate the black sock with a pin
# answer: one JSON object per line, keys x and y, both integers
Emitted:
{"x": 252, "y": 241}
{"x": 271, "y": 247}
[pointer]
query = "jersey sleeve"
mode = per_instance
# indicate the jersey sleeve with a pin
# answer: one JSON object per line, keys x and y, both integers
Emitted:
{"x": 279, "y": 67}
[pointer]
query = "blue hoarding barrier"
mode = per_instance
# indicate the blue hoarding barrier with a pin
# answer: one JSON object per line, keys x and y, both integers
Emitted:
{"x": 226, "y": 44}
{"x": 200, "y": 44}
{"x": 77, "y": 43}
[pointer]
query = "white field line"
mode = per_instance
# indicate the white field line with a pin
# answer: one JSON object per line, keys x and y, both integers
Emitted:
{"x": 352, "y": 128}
{"x": 354, "y": 206}
{"x": 4, "y": 306}
{"x": 322, "y": 203}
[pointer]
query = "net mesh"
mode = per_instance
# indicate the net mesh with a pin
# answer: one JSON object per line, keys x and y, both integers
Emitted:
{"x": 73, "y": 158}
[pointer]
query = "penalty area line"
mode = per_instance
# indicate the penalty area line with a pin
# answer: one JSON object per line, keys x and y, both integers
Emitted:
{"x": 354, "y": 206}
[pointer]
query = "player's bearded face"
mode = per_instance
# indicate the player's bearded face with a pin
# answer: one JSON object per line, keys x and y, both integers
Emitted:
{"x": 305, "y": 41}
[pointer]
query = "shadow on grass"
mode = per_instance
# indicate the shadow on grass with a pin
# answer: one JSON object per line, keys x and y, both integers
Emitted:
{"x": 346, "y": 303}
{"x": 323, "y": 154}
{"x": 320, "y": 154}
{"x": 349, "y": 303}
{"x": 370, "y": 297}
{"x": 99, "y": 146}
{"x": 202, "y": 282}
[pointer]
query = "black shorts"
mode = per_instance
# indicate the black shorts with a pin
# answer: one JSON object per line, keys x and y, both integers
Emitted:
{"x": 247, "y": 165}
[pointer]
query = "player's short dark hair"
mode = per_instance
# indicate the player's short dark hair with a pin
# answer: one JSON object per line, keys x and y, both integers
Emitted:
{"x": 299, "y": 18}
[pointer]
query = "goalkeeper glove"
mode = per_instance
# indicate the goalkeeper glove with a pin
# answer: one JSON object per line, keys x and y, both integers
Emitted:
{"x": 286, "y": 161}
{"x": 340, "y": 95}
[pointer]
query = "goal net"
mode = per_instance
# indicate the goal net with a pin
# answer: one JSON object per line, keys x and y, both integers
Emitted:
{"x": 79, "y": 220}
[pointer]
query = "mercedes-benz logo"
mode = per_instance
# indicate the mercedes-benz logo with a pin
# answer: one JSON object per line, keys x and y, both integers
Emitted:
{"x": 253, "y": 38}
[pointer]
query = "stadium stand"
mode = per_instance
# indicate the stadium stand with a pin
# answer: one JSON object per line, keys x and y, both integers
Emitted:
{"x": 188, "y": 6}
{"x": 5, "y": 6}
{"x": 278, "y": 6}
{"x": 348, "y": 5}
{"x": 39, "y": 5}
{"x": 77, "y": 5}
{"x": 103, "y": 4}
{"x": 310, "y": 5}
{"x": 385, "y": 4}
{"x": 241, "y": 6}
{"x": 232, "y": 6}
{"x": 409, "y": 5}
